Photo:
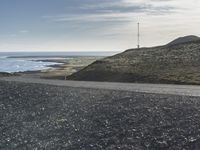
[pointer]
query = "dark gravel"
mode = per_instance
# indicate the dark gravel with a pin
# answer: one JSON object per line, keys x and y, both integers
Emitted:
{"x": 34, "y": 116}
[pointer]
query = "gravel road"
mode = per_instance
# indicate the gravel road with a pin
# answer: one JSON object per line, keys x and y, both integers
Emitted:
{"x": 41, "y": 116}
{"x": 188, "y": 90}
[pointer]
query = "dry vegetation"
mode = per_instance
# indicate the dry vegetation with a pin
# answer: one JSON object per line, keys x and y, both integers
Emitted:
{"x": 179, "y": 63}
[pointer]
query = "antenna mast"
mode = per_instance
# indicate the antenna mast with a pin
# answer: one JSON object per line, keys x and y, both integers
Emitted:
{"x": 138, "y": 36}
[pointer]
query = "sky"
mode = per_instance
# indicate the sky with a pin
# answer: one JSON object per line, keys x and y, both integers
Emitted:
{"x": 94, "y": 25}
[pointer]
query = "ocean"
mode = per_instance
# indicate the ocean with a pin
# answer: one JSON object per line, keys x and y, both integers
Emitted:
{"x": 11, "y": 62}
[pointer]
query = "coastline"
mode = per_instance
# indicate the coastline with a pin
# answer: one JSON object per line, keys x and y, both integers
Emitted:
{"x": 64, "y": 66}
{"x": 5, "y": 74}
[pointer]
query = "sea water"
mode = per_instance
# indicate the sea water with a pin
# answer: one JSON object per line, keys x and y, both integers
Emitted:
{"x": 29, "y": 61}
{"x": 12, "y": 65}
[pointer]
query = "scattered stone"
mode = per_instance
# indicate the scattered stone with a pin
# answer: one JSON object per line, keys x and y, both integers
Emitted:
{"x": 37, "y": 116}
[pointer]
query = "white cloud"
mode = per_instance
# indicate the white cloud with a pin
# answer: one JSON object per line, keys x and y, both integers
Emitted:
{"x": 113, "y": 25}
{"x": 161, "y": 20}
{"x": 24, "y": 31}
{"x": 95, "y": 17}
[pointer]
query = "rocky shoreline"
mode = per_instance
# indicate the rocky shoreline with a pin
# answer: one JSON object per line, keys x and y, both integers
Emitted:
{"x": 65, "y": 67}
{"x": 38, "y": 116}
{"x": 5, "y": 74}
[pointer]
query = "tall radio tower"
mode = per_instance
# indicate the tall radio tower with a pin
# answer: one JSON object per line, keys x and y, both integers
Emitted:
{"x": 138, "y": 36}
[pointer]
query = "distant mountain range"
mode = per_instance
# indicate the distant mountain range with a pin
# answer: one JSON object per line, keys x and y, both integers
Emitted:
{"x": 177, "y": 62}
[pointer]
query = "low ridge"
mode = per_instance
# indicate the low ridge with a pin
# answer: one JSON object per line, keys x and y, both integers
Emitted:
{"x": 178, "y": 64}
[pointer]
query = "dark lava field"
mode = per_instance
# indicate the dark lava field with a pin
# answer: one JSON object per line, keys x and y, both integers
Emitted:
{"x": 36, "y": 116}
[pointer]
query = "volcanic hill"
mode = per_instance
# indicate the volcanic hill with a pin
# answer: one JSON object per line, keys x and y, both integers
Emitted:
{"x": 177, "y": 62}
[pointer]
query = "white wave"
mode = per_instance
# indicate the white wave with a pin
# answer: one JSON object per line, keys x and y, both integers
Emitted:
{"x": 3, "y": 57}
{"x": 16, "y": 65}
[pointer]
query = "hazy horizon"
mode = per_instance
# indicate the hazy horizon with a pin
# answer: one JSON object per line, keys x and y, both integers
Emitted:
{"x": 88, "y": 25}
